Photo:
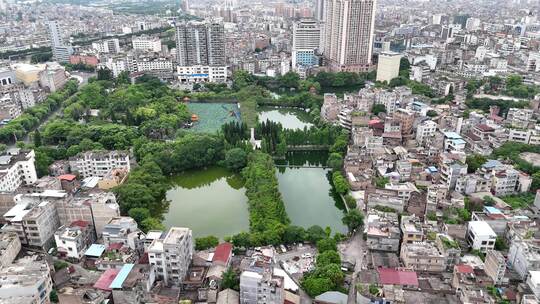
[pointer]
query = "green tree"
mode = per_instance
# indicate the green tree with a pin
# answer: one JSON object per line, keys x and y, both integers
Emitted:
{"x": 37, "y": 138}
{"x": 315, "y": 233}
{"x": 104, "y": 74}
{"x": 378, "y": 108}
{"x": 340, "y": 183}
{"x": 139, "y": 214}
{"x": 230, "y": 279}
{"x": 235, "y": 159}
{"x": 315, "y": 286}
{"x": 335, "y": 161}
{"x": 328, "y": 257}
{"x": 431, "y": 113}
{"x": 241, "y": 239}
{"x": 353, "y": 219}
{"x": 152, "y": 223}
{"x": 294, "y": 234}
{"x": 206, "y": 242}
{"x": 290, "y": 80}
{"x": 474, "y": 162}
{"x": 326, "y": 244}
{"x": 53, "y": 296}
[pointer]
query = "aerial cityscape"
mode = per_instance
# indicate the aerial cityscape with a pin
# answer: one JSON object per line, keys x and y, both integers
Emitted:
{"x": 270, "y": 152}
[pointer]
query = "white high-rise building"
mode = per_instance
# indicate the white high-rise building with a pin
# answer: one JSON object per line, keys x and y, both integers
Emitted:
{"x": 61, "y": 50}
{"x": 319, "y": 10}
{"x": 388, "y": 66}
{"x": 172, "y": 255}
{"x": 348, "y": 34}
{"x": 306, "y": 40}
{"x": 146, "y": 44}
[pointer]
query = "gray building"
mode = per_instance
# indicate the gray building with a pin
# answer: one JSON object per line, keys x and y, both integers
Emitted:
{"x": 200, "y": 43}
{"x": 261, "y": 286}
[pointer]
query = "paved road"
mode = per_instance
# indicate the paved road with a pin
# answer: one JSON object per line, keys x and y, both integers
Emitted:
{"x": 354, "y": 250}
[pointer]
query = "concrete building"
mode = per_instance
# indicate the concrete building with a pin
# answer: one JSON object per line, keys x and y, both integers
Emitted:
{"x": 107, "y": 46}
{"x": 146, "y": 43}
{"x": 524, "y": 256}
{"x": 17, "y": 168}
{"x": 423, "y": 257}
{"x": 200, "y": 43}
{"x": 306, "y": 41}
{"x": 480, "y": 236}
{"x": 10, "y": 246}
{"x": 201, "y": 73}
{"x": 348, "y": 34}
{"x": 259, "y": 287}
{"x": 495, "y": 266}
{"x": 61, "y": 50}
{"x": 53, "y": 77}
{"x": 382, "y": 231}
{"x": 73, "y": 240}
{"x": 388, "y": 66}
{"x": 26, "y": 281}
{"x": 99, "y": 163}
{"x": 533, "y": 282}
{"x": 171, "y": 255}
{"x": 411, "y": 229}
{"x": 123, "y": 230}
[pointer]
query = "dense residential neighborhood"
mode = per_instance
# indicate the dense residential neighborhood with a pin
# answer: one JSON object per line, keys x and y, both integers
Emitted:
{"x": 270, "y": 152}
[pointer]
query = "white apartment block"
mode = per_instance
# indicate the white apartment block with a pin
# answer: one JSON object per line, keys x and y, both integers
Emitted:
{"x": 388, "y": 66}
{"x": 425, "y": 131}
{"x": 99, "y": 163}
{"x": 261, "y": 287}
{"x": 107, "y": 46}
{"x": 171, "y": 255}
{"x": 159, "y": 64}
{"x": 116, "y": 65}
{"x": 146, "y": 43}
{"x": 17, "y": 168}
{"x": 480, "y": 236}
{"x": 10, "y": 246}
{"x": 26, "y": 281}
{"x": 524, "y": 256}
{"x": 73, "y": 240}
{"x": 200, "y": 73}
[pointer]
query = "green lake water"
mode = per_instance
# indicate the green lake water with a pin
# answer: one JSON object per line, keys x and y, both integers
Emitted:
{"x": 213, "y": 201}
{"x": 290, "y": 118}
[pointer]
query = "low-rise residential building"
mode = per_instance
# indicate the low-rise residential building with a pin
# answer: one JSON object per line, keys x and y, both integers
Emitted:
{"x": 17, "y": 168}
{"x": 258, "y": 287}
{"x": 72, "y": 241}
{"x": 10, "y": 246}
{"x": 122, "y": 230}
{"x": 495, "y": 266}
{"x": 382, "y": 231}
{"x": 449, "y": 248}
{"x": 99, "y": 163}
{"x": 422, "y": 257}
{"x": 27, "y": 281}
{"x": 386, "y": 198}
{"x": 524, "y": 256}
{"x": 480, "y": 236}
{"x": 411, "y": 229}
{"x": 171, "y": 255}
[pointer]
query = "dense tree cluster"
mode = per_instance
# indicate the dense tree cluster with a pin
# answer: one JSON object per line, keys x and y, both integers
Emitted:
{"x": 31, "y": 118}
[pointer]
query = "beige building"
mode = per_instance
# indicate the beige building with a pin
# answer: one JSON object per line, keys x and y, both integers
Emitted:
{"x": 388, "y": 66}
{"x": 27, "y": 281}
{"x": 422, "y": 256}
{"x": 10, "y": 246}
{"x": 348, "y": 34}
{"x": 411, "y": 229}
{"x": 495, "y": 266}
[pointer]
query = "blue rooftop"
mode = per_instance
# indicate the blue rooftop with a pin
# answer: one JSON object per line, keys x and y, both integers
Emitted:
{"x": 432, "y": 169}
{"x": 121, "y": 276}
{"x": 492, "y": 210}
{"x": 492, "y": 163}
{"x": 452, "y": 135}
{"x": 95, "y": 250}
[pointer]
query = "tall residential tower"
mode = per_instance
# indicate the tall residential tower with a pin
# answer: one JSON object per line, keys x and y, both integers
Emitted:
{"x": 306, "y": 41}
{"x": 348, "y": 34}
{"x": 61, "y": 50}
{"x": 200, "y": 51}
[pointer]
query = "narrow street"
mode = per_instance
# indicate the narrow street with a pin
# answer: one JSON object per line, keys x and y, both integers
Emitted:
{"x": 353, "y": 250}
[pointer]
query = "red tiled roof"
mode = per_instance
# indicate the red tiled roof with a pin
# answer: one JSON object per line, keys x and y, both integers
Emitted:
{"x": 392, "y": 276}
{"x": 222, "y": 253}
{"x": 106, "y": 279}
{"x": 485, "y": 128}
{"x": 115, "y": 246}
{"x": 80, "y": 223}
{"x": 464, "y": 268}
{"x": 68, "y": 177}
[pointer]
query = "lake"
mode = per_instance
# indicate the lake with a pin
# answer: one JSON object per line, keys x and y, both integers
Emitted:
{"x": 213, "y": 202}
{"x": 290, "y": 118}
{"x": 209, "y": 201}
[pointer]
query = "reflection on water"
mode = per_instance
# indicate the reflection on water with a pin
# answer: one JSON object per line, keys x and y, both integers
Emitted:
{"x": 290, "y": 118}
